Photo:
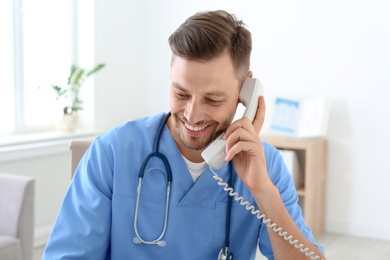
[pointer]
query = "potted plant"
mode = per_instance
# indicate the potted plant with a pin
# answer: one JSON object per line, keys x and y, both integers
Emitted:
{"x": 70, "y": 95}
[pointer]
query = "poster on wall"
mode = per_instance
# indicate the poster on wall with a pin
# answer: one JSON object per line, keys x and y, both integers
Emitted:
{"x": 297, "y": 117}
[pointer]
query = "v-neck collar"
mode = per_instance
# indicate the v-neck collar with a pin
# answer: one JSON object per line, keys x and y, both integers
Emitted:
{"x": 184, "y": 192}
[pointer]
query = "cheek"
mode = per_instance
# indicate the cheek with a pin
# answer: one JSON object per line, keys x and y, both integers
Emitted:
{"x": 230, "y": 113}
{"x": 175, "y": 105}
{"x": 224, "y": 115}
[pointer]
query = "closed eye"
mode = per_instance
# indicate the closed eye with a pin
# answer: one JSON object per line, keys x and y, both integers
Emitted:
{"x": 181, "y": 95}
{"x": 214, "y": 102}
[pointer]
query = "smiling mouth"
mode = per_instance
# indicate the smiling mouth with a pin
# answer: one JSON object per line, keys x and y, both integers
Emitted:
{"x": 194, "y": 128}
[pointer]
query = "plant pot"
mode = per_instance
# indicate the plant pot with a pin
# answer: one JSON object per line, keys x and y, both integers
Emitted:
{"x": 67, "y": 123}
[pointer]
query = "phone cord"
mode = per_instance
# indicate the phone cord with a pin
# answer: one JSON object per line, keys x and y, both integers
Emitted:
{"x": 260, "y": 216}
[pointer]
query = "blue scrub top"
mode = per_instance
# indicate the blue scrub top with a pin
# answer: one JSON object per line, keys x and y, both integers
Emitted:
{"x": 96, "y": 220}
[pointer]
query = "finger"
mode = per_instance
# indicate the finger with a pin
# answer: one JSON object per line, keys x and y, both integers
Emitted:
{"x": 260, "y": 115}
{"x": 243, "y": 146}
{"x": 243, "y": 123}
{"x": 241, "y": 135}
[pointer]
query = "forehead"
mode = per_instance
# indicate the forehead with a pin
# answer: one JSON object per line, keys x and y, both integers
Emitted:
{"x": 216, "y": 74}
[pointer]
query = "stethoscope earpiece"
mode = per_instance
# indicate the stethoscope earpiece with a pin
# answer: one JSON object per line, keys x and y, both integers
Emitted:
{"x": 136, "y": 240}
{"x": 160, "y": 243}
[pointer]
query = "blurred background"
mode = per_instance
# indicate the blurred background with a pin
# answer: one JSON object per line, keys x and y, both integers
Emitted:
{"x": 338, "y": 50}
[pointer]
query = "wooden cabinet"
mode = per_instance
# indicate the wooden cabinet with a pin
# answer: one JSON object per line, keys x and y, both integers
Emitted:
{"x": 312, "y": 159}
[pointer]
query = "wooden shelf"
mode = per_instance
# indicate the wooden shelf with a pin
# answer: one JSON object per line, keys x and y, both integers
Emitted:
{"x": 301, "y": 191}
{"x": 312, "y": 159}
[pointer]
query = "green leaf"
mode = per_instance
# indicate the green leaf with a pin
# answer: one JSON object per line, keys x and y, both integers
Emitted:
{"x": 73, "y": 69}
{"x": 96, "y": 69}
{"x": 77, "y": 77}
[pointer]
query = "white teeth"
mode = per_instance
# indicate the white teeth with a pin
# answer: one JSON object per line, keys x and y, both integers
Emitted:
{"x": 195, "y": 128}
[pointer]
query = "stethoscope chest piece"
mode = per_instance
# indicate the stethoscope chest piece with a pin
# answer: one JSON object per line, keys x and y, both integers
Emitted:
{"x": 224, "y": 255}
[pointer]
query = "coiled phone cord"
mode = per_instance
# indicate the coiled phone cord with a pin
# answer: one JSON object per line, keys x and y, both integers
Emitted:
{"x": 260, "y": 216}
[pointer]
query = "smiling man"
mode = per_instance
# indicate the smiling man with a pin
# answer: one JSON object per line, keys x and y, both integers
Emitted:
{"x": 181, "y": 212}
{"x": 203, "y": 99}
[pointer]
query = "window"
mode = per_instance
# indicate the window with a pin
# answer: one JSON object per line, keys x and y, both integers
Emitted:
{"x": 39, "y": 44}
{"x": 7, "y": 106}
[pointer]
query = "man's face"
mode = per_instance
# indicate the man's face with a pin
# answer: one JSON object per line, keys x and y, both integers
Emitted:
{"x": 203, "y": 99}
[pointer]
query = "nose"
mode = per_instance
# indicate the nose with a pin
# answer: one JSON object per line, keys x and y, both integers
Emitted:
{"x": 194, "y": 112}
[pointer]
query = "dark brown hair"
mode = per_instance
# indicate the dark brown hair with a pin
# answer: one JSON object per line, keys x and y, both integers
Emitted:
{"x": 208, "y": 35}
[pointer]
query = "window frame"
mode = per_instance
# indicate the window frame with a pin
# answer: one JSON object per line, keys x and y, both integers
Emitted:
{"x": 20, "y": 125}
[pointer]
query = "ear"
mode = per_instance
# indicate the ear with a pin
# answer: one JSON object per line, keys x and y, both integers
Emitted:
{"x": 250, "y": 74}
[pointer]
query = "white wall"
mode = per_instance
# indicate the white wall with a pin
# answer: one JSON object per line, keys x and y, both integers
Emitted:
{"x": 121, "y": 91}
{"x": 337, "y": 49}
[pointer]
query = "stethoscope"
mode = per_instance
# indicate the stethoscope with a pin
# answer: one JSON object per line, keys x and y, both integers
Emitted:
{"x": 224, "y": 253}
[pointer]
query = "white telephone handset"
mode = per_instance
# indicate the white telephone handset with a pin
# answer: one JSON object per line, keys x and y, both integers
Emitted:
{"x": 252, "y": 88}
{"x": 215, "y": 154}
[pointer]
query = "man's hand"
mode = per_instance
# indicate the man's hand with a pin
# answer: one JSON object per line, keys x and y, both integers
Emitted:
{"x": 243, "y": 144}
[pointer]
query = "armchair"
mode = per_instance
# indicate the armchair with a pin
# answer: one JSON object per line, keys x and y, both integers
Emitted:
{"x": 16, "y": 217}
{"x": 77, "y": 149}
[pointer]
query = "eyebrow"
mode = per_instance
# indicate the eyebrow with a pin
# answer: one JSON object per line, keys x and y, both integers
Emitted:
{"x": 217, "y": 93}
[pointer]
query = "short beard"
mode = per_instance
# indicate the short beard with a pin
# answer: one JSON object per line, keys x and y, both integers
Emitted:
{"x": 200, "y": 146}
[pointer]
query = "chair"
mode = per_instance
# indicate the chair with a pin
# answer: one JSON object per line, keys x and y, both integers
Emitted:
{"x": 16, "y": 217}
{"x": 77, "y": 149}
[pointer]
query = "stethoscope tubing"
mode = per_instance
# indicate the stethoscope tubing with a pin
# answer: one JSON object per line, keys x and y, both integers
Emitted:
{"x": 158, "y": 240}
{"x": 224, "y": 254}
{"x": 155, "y": 153}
